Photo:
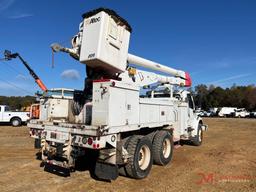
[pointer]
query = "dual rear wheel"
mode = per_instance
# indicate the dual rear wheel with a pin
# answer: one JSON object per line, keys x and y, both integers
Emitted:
{"x": 143, "y": 152}
{"x": 162, "y": 148}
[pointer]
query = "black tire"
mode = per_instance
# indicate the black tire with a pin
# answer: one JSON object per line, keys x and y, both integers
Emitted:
{"x": 140, "y": 149}
{"x": 121, "y": 169}
{"x": 151, "y": 136}
{"x": 198, "y": 139}
{"x": 16, "y": 122}
{"x": 162, "y": 148}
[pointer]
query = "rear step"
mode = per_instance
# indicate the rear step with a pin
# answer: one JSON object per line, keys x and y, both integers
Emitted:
{"x": 58, "y": 163}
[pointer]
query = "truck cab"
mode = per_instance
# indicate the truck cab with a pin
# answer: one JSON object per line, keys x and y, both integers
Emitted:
{"x": 14, "y": 117}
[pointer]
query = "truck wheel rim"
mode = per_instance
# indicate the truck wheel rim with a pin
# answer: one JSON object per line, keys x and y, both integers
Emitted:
{"x": 144, "y": 157}
{"x": 199, "y": 135}
{"x": 15, "y": 122}
{"x": 166, "y": 148}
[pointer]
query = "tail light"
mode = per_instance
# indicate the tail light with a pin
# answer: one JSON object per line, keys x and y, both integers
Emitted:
{"x": 90, "y": 141}
{"x": 96, "y": 146}
{"x": 113, "y": 83}
{"x": 33, "y": 131}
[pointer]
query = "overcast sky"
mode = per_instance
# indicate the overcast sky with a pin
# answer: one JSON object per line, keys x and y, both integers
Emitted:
{"x": 215, "y": 41}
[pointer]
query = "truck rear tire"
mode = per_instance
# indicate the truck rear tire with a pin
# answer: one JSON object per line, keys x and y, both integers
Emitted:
{"x": 16, "y": 122}
{"x": 140, "y": 162}
{"x": 197, "y": 141}
{"x": 121, "y": 169}
{"x": 162, "y": 148}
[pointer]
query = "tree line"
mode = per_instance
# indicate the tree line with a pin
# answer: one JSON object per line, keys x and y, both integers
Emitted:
{"x": 236, "y": 96}
{"x": 17, "y": 102}
{"x": 205, "y": 97}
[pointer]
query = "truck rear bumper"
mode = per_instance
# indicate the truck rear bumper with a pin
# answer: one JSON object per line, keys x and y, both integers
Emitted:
{"x": 66, "y": 127}
{"x": 80, "y": 135}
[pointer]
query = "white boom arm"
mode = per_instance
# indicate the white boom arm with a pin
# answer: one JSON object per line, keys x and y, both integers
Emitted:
{"x": 133, "y": 59}
{"x": 142, "y": 78}
{"x": 162, "y": 68}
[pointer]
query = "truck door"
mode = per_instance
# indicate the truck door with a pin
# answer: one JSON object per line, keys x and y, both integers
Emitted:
{"x": 6, "y": 115}
{"x": 191, "y": 108}
{"x": 1, "y": 113}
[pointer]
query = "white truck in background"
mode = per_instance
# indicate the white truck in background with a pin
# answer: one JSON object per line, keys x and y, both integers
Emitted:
{"x": 13, "y": 117}
{"x": 226, "y": 111}
{"x": 109, "y": 122}
{"x": 253, "y": 114}
{"x": 241, "y": 112}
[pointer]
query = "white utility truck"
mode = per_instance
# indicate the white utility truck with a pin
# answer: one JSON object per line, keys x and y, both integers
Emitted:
{"x": 226, "y": 111}
{"x": 14, "y": 117}
{"x": 241, "y": 113}
{"x": 125, "y": 119}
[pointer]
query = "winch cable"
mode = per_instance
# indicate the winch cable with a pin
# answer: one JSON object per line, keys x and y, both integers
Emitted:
{"x": 52, "y": 52}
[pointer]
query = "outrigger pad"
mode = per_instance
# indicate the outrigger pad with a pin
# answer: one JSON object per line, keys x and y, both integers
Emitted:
{"x": 106, "y": 171}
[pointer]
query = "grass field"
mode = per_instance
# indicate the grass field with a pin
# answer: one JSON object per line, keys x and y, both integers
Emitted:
{"x": 225, "y": 162}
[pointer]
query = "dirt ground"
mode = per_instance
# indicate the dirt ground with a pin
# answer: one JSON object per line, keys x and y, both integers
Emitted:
{"x": 225, "y": 162}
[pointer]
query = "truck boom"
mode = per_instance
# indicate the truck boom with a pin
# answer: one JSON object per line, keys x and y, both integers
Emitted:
{"x": 8, "y": 56}
{"x": 159, "y": 67}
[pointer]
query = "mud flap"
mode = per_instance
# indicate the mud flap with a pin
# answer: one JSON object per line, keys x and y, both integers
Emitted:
{"x": 106, "y": 171}
{"x": 37, "y": 144}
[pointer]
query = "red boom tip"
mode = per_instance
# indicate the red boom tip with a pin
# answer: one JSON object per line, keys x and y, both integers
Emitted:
{"x": 188, "y": 81}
